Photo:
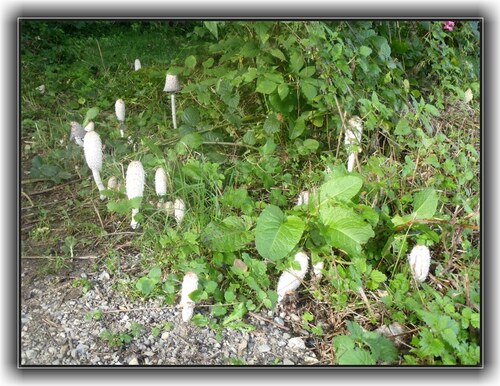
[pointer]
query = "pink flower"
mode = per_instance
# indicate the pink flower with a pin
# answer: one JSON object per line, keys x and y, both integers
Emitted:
{"x": 448, "y": 25}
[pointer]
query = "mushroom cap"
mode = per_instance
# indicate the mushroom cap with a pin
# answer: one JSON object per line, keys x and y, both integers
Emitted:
{"x": 172, "y": 84}
{"x": 120, "y": 110}
{"x": 354, "y": 132}
{"x": 135, "y": 180}
{"x": 137, "y": 64}
{"x": 179, "y": 210}
{"x": 77, "y": 131}
{"x": 420, "y": 261}
{"x": 160, "y": 182}
{"x": 92, "y": 148}
{"x": 112, "y": 183}
{"x": 90, "y": 127}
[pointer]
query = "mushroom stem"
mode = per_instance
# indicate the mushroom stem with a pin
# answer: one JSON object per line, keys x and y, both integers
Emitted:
{"x": 122, "y": 129}
{"x": 174, "y": 117}
{"x": 98, "y": 181}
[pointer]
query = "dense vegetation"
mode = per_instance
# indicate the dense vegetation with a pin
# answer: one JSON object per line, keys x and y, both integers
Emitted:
{"x": 262, "y": 114}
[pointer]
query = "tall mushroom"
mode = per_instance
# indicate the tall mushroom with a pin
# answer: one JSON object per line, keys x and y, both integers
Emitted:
{"x": 134, "y": 186}
{"x": 179, "y": 210}
{"x": 352, "y": 140}
{"x": 189, "y": 284}
{"x": 291, "y": 279}
{"x": 92, "y": 148}
{"x": 172, "y": 86}
{"x": 120, "y": 114}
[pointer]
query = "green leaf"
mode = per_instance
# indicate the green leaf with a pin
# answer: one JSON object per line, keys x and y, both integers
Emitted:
{"x": 341, "y": 189}
{"x": 191, "y": 116}
{"x": 271, "y": 124}
{"x": 296, "y": 62}
{"x": 91, "y": 114}
{"x": 432, "y": 109}
{"x": 345, "y": 229}
{"x": 297, "y": 129}
{"x": 365, "y": 51}
{"x": 283, "y": 90}
{"x": 227, "y": 236}
{"x": 219, "y": 310}
{"x": 191, "y": 140}
{"x": 277, "y": 235}
{"x": 249, "y": 137}
{"x": 383, "y": 349}
{"x": 311, "y": 144}
{"x": 212, "y": 27}
{"x": 190, "y": 62}
{"x": 377, "y": 276}
{"x": 145, "y": 285}
{"x": 155, "y": 274}
{"x": 402, "y": 128}
{"x": 277, "y": 54}
{"x": 355, "y": 356}
{"x": 425, "y": 203}
{"x": 238, "y": 312}
{"x": 265, "y": 86}
{"x": 308, "y": 90}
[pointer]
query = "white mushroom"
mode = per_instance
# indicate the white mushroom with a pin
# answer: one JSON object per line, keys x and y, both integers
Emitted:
{"x": 352, "y": 140}
{"x": 77, "y": 133}
{"x": 172, "y": 86}
{"x": 120, "y": 114}
{"x": 291, "y": 279}
{"x": 303, "y": 198}
{"x": 113, "y": 183}
{"x": 420, "y": 261}
{"x": 89, "y": 127}
{"x": 134, "y": 186}
{"x": 160, "y": 182}
{"x": 169, "y": 208}
{"x": 316, "y": 269}
{"x": 92, "y": 148}
{"x": 137, "y": 65}
{"x": 189, "y": 284}
{"x": 179, "y": 210}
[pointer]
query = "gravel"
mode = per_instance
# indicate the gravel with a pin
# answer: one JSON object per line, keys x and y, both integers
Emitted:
{"x": 62, "y": 325}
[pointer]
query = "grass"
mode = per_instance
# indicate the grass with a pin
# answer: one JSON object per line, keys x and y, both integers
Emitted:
{"x": 238, "y": 150}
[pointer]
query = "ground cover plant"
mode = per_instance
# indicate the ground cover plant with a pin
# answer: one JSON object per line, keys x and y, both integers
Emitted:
{"x": 263, "y": 161}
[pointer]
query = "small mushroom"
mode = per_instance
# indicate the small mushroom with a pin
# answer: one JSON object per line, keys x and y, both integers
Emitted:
{"x": 179, "y": 210}
{"x": 172, "y": 86}
{"x": 134, "y": 186}
{"x": 420, "y": 261}
{"x": 113, "y": 183}
{"x": 92, "y": 148}
{"x": 316, "y": 269}
{"x": 77, "y": 133}
{"x": 291, "y": 279}
{"x": 137, "y": 65}
{"x": 352, "y": 140}
{"x": 120, "y": 114}
{"x": 160, "y": 182}
{"x": 189, "y": 285}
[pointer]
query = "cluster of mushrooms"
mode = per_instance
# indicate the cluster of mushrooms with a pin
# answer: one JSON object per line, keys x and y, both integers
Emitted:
{"x": 290, "y": 279}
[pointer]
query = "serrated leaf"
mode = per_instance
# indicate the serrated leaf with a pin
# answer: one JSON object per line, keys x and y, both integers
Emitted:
{"x": 283, "y": 90}
{"x": 308, "y": 90}
{"x": 277, "y": 235}
{"x": 145, "y": 285}
{"x": 377, "y": 276}
{"x": 345, "y": 229}
{"x": 227, "y": 236}
{"x": 271, "y": 124}
{"x": 277, "y": 54}
{"x": 355, "y": 356}
{"x": 383, "y": 349}
{"x": 191, "y": 140}
{"x": 425, "y": 203}
{"x": 296, "y": 62}
{"x": 191, "y": 116}
{"x": 342, "y": 188}
{"x": 238, "y": 312}
{"x": 190, "y": 62}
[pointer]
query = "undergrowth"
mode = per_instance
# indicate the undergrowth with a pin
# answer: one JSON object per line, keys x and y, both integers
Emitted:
{"x": 262, "y": 114}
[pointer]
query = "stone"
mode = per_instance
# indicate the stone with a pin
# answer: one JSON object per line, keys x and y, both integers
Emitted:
{"x": 264, "y": 348}
{"x": 287, "y": 362}
{"x": 296, "y": 343}
{"x": 133, "y": 362}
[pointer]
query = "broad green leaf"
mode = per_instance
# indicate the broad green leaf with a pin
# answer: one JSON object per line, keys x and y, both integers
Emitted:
{"x": 155, "y": 274}
{"x": 355, "y": 356}
{"x": 277, "y": 54}
{"x": 382, "y": 348}
{"x": 297, "y": 129}
{"x": 275, "y": 234}
{"x": 308, "y": 90}
{"x": 265, "y": 86}
{"x": 191, "y": 116}
{"x": 365, "y": 51}
{"x": 377, "y": 276}
{"x": 212, "y": 27}
{"x": 227, "y": 236}
{"x": 91, "y": 114}
{"x": 432, "y": 109}
{"x": 345, "y": 229}
{"x": 311, "y": 144}
{"x": 191, "y": 140}
{"x": 425, "y": 203}
{"x": 283, "y": 90}
{"x": 296, "y": 62}
{"x": 342, "y": 188}
{"x": 238, "y": 312}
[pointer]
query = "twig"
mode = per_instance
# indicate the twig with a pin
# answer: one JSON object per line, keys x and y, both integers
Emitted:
{"x": 54, "y": 187}
{"x": 28, "y": 197}
{"x": 98, "y": 215}
{"x": 256, "y": 316}
{"x": 54, "y": 257}
{"x": 343, "y": 123}
{"x": 230, "y": 144}
{"x": 33, "y": 180}
{"x": 367, "y": 303}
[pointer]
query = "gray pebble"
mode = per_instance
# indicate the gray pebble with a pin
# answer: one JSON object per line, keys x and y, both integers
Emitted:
{"x": 287, "y": 362}
{"x": 264, "y": 348}
{"x": 296, "y": 343}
